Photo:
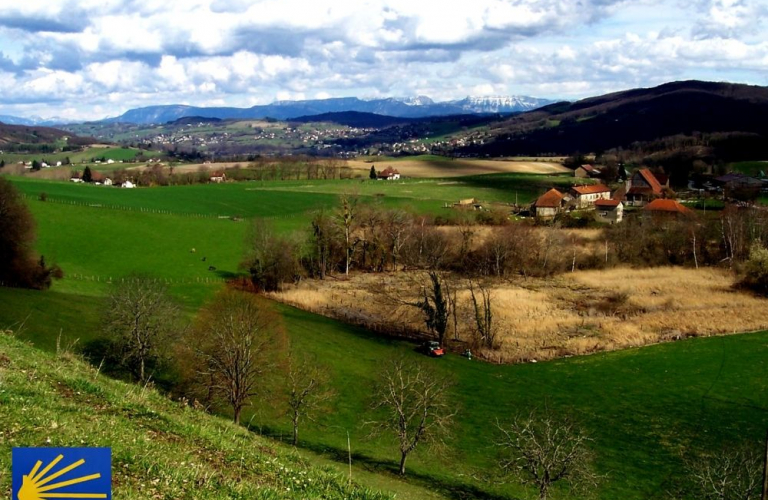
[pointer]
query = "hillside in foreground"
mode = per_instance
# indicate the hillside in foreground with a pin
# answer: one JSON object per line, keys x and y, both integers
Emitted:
{"x": 160, "y": 449}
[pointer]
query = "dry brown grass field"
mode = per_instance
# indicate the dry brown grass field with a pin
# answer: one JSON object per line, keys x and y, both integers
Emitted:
{"x": 572, "y": 314}
{"x": 425, "y": 168}
{"x": 457, "y": 168}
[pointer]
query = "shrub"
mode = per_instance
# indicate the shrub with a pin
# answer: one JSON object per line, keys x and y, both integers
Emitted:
{"x": 754, "y": 272}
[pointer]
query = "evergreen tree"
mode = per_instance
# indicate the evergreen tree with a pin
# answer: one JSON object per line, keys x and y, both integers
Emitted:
{"x": 2, "y": 163}
{"x": 87, "y": 175}
{"x": 373, "y": 172}
{"x": 36, "y": 165}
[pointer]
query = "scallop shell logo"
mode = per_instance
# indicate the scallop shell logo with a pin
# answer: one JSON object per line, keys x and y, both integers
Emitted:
{"x": 59, "y": 479}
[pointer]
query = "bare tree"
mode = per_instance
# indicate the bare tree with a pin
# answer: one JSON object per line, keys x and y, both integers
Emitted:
{"x": 346, "y": 216}
{"x": 140, "y": 320}
{"x": 734, "y": 474}
{"x": 411, "y": 404}
{"x": 396, "y": 225}
{"x": 306, "y": 389}
{"x": 541, "y": 451}
{"x": 237, "y": 339}
{"x": 487, "y": 329}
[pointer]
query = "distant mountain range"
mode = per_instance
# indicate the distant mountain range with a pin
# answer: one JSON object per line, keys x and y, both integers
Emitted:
{"x": 33, "y": 121}
{"x": 415, "y": 107}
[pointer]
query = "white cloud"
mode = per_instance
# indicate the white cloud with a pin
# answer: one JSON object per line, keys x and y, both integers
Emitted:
{"x": 244, "y": 52}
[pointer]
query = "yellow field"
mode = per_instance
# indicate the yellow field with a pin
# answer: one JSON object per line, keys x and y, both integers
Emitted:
{"x": 425, "y": 168}
{"x": 457, "y": 168}
{"x": 576, "y": 313}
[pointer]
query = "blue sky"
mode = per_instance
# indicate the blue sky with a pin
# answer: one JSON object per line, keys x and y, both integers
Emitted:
{"x": 88, "y": 59}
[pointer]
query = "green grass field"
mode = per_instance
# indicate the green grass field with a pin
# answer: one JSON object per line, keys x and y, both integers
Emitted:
{"x": 645, "y": 408}
{"x": 77, "y": 157}
{"x": 749, "y": 167}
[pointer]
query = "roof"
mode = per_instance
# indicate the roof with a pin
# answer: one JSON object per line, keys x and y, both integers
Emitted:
{"x": 665, "y": 205}
{"x": 389, "y": 171}
{"x": 589, "y": 168}
{"x": 607, "y": 203}
{"x": 597, "y": 188}
{"x": 551, "y": 199}
{"x": 650, "y": 179}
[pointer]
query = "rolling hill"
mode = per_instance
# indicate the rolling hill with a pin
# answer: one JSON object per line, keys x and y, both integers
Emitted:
{"x": 17, "y": 137}
{"x": 639, "y": 115}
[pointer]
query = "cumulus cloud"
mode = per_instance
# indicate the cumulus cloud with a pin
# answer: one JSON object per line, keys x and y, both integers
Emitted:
{"x": 113, "y": 54}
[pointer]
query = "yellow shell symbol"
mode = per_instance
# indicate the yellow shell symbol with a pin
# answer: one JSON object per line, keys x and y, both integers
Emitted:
{"x": 34, "y": 486}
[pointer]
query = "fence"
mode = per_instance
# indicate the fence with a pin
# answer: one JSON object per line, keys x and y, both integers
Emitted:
{"x": 168, "y": 281}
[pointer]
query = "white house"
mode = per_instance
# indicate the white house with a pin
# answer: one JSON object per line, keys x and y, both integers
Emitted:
{"x": 107, "y": 181}
{"x": 128, "y": 185}
{"x": 389, "y": 174}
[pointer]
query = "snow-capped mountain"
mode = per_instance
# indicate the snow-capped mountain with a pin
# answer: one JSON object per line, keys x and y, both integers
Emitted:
{"x": 421, "y": 100}
{"x": 33, "y": 120}
{"x": 500, "y": 104}
{"x": 408, "y": 107}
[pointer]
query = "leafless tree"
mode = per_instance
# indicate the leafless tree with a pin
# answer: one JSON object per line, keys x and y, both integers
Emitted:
{"x": 487, "y": 329}
{"x": 346, "y": 216}
{"x": 541, "y": 450}
{"x": 238, "y": 340}
{"x": 396, "y": 225}
{"x": 734, "y": 474}
{"x": 411, "y": 403}
{"x": 140, "y": 320}
{"x": 307, "y": 390}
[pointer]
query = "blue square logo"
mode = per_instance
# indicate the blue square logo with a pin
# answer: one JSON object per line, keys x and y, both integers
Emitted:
{"x": 48, "y": 473}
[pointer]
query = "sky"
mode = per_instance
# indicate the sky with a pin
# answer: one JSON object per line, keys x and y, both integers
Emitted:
{"x": 89, "y": 59}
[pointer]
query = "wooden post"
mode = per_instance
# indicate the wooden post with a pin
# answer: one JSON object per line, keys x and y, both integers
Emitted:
{"x": 349, "y": 452}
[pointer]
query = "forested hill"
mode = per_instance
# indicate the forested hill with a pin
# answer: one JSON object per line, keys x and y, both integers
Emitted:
{"x": 641, "y": 115}
{"x": 18, "y": 137}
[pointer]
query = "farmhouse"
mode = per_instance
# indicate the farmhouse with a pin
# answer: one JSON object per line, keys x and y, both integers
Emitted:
{"x": 643, "y": 187}
{"x": 128, "y": 185}
{"x": 218, "y": 177}
{"x": 586, "y": 196}
{"x": 609, "y": 211}
{"x": 549, "y": 204}
{"x": 389, "y": 174}
{"x": 665, "y": 207}
{"x": 586, "y": 171}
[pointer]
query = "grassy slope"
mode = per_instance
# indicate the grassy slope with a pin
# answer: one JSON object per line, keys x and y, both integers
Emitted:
{"x": 159, "y": 449}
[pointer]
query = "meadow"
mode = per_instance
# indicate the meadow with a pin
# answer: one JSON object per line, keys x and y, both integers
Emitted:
{"x": 78, "y": 157}
{"x": 646, "y": 409}
{"x": 543, "y": 318}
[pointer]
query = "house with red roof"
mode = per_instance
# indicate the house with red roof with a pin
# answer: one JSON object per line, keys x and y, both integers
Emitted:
{"x": 389, "y": 174}
{"x": 643, "y": 188}
{"x": 586, "y": 196}
{"x": 549, "y": 204}
{"x": 666, "y": 207}
{"x": 218, "y": 177}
